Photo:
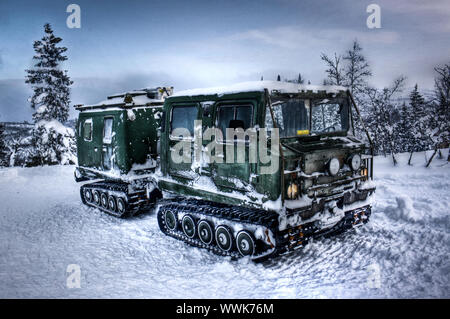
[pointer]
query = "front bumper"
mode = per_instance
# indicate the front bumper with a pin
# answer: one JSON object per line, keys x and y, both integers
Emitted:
{"x": 298, "y": 236}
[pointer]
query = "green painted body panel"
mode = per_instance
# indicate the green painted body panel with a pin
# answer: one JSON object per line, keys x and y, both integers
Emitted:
{"x": 134, "y": 140}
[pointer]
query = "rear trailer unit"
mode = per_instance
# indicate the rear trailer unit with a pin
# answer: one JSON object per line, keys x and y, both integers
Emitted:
{"x": 117, "y": 148}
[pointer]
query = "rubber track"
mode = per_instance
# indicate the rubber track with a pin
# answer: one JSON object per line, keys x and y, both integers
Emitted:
{"x": 133, "y": 201}
{"x": 232, "y": 214}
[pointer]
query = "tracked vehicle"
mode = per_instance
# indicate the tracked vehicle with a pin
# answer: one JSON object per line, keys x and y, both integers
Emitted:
{"x": 255, "y": 169}
{"x": 117, "y": 149}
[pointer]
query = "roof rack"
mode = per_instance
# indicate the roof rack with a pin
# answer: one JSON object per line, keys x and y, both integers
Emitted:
{"x": 126, "y": 100}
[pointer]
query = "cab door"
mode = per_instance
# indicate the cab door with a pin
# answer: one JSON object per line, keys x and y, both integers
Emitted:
{"x": 236, "y": 170}
{"x": 87, "y": 143}
{"x": 182, "y": 118}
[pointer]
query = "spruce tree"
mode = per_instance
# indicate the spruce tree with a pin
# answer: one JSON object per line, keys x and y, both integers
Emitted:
{"x": 51, "y": 85}
{"x": 51, "y": 99}
{"x": 419, "y": 120}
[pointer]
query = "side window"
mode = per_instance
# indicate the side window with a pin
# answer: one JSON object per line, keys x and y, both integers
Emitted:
{"x": 183, "y": 116}
{"x": 87, "y": 130}
{"x": 234, "y": 116}
{"x": 225, "y": 116}
{"x": 107, "y": 130}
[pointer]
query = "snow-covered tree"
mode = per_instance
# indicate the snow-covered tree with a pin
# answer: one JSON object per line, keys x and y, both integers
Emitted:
{"x": 51, "y": 85}
{"x": 54, "y": 144}
{"x": 405, "y": 136}
{"x": 439, "y": 133}
{"x": 51, "y": 100}
{"x": 420, "y": 121}
{"x": 278, "y": 78}
{"x": 3, "y": 148}
{"x": 382, "y": 127}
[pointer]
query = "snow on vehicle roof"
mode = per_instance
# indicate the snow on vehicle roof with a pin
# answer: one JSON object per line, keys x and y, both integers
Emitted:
{"x": 139, "y": 97}
{"x": 254, "y": 86}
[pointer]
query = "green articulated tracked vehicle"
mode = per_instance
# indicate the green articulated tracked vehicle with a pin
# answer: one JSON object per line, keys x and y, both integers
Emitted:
{"x": 255, "y": 169}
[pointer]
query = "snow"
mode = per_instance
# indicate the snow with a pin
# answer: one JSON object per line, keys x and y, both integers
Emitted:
{"x": 254, "y": 86}
{"x": 131, "y": 115}
{"x": 149, "y": 163}
{"x": 57, "y": 126}
{"x": 44, "y": 228}
{"x": 64, "y": 139}
{"x": 139, "y": 97}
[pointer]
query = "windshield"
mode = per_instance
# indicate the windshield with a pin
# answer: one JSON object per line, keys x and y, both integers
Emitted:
{"x": 329, "y": 116}
{"x": 292, "y": 116}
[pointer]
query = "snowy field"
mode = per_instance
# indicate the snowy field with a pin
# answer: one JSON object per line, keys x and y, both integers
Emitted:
{"x": 404, "y": 251}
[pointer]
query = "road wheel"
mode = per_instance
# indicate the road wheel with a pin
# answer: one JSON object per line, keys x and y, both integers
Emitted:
{"x": 88, "y": 195}
{"x": 171, "y": 219}
{"x": 188, "y": 225}
{"x": 205, "y": 232}
{"x": 121, "y": 206}
{"x": 224, "y": 239}
{"x": 97, "y": 197}
{"x": 104, "y": 200}
{"x": 245, "y": 243}
{"x": 112, "y": 203}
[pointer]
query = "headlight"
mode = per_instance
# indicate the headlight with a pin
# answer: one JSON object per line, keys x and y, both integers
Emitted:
{"x": 333, "y": 166}
{"x": 355, "y": 162}
{"x": 292, "y": 191}
{"x": 364, "y": 173}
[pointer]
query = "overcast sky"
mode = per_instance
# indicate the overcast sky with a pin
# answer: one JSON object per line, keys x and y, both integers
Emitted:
{"x": 124, "y": 45}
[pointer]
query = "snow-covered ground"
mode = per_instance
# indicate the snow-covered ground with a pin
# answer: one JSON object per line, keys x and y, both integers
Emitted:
{"x": 403, "y": 251}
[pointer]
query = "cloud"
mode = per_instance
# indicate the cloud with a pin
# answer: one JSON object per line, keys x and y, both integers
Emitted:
{"x": 427, "y": 16}
{"x": 13, "y": 100}
{"x": 439, "y": 7}
{"x": 292, "y": 37}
